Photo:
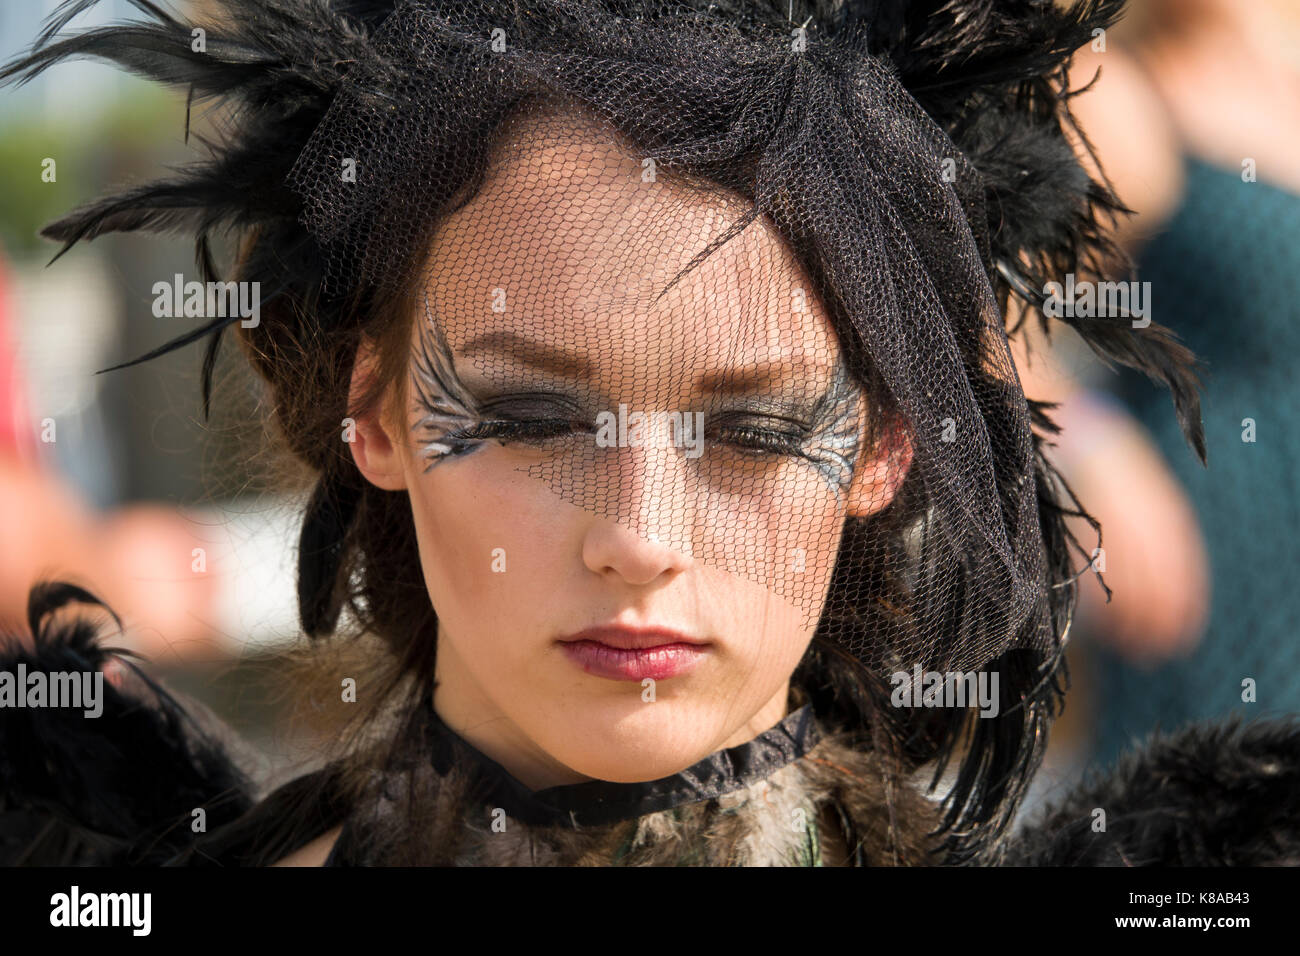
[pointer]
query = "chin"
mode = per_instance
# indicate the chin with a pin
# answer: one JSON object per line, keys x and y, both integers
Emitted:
{"x": 633, "y": 741}
{"x": 652, "y": 764}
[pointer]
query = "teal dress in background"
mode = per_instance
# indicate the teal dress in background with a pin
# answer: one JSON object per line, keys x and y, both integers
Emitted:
{"x": 1225, "y": 275}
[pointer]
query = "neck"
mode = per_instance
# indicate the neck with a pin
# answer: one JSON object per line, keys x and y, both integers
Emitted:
{"x": 598, "y": 802}
{"x": 459, "y": 701}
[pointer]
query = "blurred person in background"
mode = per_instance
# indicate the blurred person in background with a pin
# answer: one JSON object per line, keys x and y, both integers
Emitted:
{"x": 1195, "y": 116}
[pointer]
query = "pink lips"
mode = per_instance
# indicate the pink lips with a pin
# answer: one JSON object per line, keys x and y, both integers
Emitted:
{"x": 634, "y": 654}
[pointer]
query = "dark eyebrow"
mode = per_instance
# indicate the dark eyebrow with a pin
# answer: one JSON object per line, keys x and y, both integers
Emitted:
{"x": 757, "y": 378}
{"x": 762, "y": 377}
{"x": 534, "y": 353}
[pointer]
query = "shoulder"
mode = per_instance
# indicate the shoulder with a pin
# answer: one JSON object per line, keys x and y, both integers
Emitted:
{"x": 314, "y": 853}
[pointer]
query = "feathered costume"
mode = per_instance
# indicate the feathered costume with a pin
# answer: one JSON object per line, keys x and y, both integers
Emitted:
{"x": 914, "y": 154}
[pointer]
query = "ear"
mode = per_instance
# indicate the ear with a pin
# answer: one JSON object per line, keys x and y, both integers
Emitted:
{"x": 877, "y": 478}
{"x": 376, "y": 451}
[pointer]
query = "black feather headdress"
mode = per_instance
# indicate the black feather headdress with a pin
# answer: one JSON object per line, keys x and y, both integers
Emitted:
{"x": 991, "y": 73}
{"x": 915, "y": 155}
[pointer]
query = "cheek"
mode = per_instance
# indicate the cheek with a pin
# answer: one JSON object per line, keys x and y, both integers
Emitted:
{"x": 779, "y": 550}
{"x": 772, "y": 600}
{"x": 481, "y": 527}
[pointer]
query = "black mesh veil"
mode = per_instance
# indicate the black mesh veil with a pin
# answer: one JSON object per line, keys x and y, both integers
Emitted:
{"x": 731, "y": 275}
{"x": 833, "y": 152}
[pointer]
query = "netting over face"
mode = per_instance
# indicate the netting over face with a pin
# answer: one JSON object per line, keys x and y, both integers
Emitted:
{"x": 828, "y": 384}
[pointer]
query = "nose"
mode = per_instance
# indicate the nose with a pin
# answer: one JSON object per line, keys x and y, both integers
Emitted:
{"x": 647, "y": 519}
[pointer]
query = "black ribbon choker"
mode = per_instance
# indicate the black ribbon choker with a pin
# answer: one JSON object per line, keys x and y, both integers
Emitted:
{"x": 597, "y": 802}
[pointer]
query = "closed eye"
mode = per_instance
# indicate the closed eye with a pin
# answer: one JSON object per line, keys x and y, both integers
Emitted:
{"x": 763, "y": 440}
{"x": 523, "y": 430}
{"x": 749, "y": 439}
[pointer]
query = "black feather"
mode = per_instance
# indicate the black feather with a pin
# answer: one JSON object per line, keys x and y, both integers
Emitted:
{"x": 118, "y": 788}
{"x": 329, "y": 516}
{"x": 1220, "y": 793}
{"x": 273, "y": 64}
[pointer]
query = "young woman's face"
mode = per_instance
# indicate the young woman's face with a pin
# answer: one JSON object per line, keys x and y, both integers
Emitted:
{"x": 539, "y": 312}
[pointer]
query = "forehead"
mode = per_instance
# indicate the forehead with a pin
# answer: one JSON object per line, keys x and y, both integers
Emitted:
{"x": 573, "y": 236}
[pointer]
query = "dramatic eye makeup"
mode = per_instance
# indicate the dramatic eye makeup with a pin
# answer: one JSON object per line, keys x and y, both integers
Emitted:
{"x": 527, "y": 417}
{"x": 744, "y": 431}
{"x": 531, "y": 401}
